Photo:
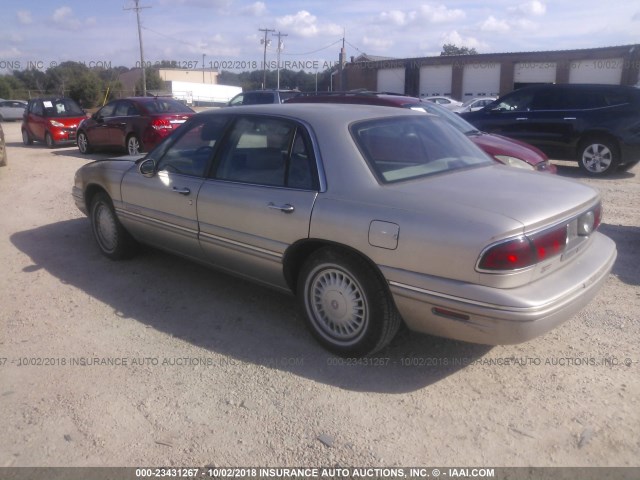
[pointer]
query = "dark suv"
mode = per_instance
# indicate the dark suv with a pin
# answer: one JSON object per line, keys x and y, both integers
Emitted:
{"x": 259, "y": 97}
{"x": 596, "y": 125}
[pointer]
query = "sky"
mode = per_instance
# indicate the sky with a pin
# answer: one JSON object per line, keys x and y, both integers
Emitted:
{"x": 43, "y": 33}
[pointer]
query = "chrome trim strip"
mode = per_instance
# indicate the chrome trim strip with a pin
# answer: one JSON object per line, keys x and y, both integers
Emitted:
{"x": 127, "y": 213}
{"x": 241, "y": 245}
{"x": 462, "y": 300}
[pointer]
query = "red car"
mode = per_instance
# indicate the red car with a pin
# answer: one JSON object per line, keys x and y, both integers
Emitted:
{"x": 135, "y": 124}
{"x": 504, "y": 150}
{"x": 53, "y": 121}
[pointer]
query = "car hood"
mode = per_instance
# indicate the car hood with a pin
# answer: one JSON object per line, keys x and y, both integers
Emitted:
{"x": 498, "y": 145}
{"x": 68, "y": 121}
{"x": 497, "y": 194}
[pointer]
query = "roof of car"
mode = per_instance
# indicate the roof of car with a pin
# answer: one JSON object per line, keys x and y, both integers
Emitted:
{"x": 319, "y": 114}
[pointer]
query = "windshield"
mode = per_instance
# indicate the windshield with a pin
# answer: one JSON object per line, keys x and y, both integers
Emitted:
{"x": 62, "y": 107}
{"x": 448, "y": 116}
{"x": 403, "y": 148}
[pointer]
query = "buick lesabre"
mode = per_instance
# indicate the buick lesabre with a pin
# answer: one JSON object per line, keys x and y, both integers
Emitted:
{"x": 370, "y": 216}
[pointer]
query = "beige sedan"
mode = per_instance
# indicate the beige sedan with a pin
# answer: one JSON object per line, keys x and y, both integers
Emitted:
{"x": 371, "y": 216}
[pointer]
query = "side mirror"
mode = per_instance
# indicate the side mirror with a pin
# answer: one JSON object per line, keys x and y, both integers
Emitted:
{"x": 147, "y": 167}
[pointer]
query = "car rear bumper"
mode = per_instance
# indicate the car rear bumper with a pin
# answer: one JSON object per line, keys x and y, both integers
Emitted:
{"x": 522, "y": 314}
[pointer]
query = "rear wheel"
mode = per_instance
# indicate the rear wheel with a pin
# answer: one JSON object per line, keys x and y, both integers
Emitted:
{"x": 48, "y": 139}
{"x": 83, "y": 143}
{"x": 134, "y": 147}
{"x": 26, "y": 138}
{"x": 348, "y": 307}
{"x": 598, "y": 156}
{"x": 112, "y": 238}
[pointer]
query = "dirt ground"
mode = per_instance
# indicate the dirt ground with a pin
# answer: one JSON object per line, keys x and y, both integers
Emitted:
{"x": 159, "y": 362}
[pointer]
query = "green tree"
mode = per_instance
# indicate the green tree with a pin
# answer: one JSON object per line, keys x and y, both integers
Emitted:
{"x": 154, "y": 82}
{"x": 451, "y": 49}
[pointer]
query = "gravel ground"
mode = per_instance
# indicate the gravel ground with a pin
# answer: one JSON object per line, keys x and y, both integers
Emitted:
{"x": 211, "y": 370}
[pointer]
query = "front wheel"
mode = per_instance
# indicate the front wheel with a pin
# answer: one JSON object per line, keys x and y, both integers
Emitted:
{"x": 48, "y": 139}
{"x": 83, "y": 143}
{"x": 133, "y": 145}
{"x": 598, "y": 157}
{"x": 348, "y": 307}
{"x": 112, "y": 238}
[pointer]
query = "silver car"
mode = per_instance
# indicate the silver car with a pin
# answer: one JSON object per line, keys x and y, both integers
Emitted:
{"x": 371, "y": 216}
{"x": 12, "y": 109}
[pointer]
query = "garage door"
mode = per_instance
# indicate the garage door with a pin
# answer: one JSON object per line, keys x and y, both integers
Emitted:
{"x": 606, "y": 70}
{"x": 527, "y": 73}
{"x": 481, "y": 79}
{"x": 435, "y": 80}
{"x": 391, "y": 80}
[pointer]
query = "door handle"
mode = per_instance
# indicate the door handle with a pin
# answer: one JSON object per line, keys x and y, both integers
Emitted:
{"x": 522, "y": 118}
{"x": 569, "y": 118}
{"x": 286, "y": 208}
{"x": 182, "y": 191}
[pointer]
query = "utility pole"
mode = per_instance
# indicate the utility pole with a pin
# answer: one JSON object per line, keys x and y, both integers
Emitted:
{"x": 137, "y": 8}
{"x": 265, "y": 42}
{"x": 280, "y": 47}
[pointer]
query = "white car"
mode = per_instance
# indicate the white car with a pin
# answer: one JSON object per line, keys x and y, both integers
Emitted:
{"x": 446, "y": 102}
{"x": 474, "y": 104}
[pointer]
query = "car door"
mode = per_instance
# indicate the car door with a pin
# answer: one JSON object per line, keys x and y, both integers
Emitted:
{"x": 97, "y": 128}
{"x": 121, "y": 123}
{"x": 36, "y": 120}
{"x": 160, "y": 207}
{"x": 259, "y": 198}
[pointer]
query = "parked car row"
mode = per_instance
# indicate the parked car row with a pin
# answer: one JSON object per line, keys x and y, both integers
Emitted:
{"x": 372, "y": 217}
{"x": 134, "y": 124}
{"x": 595, "y": 125}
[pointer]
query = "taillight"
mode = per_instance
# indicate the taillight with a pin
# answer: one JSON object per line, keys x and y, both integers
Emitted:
{"x": 160, "y": 124}
{"x": 510, "y": 255}
{"x": 527, "y": 250}
{"x": 548, "y": 244}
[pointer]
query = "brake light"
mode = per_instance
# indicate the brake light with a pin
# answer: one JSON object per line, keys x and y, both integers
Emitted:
{"x": 550, "y": 243}
{"x": 510, "y": 255}
{"x": 160, "y": 124}
{"x": 527, "y": 250}
{"x": 524, "y": 251}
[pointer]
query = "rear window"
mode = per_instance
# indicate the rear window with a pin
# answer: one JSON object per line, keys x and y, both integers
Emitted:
{"x": 399, "y": 149}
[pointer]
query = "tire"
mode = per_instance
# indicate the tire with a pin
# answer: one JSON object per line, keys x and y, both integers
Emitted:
{"x": 26, "y": 138}
{"x": 598, "y": 157}
{"x": 48, "y": 139}
{"x": 134, "y": 147}
{"x": 348, "y": 307}
{"x": 83, "y": 143}
{"x": 112, "y": 238}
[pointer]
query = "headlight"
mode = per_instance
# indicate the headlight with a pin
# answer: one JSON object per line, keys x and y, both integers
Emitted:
{"x": 542, "y": 166}
{"x": 513, "y": 162}
{"x": 56, "y": 124}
